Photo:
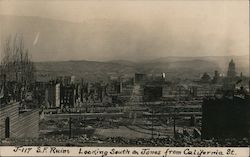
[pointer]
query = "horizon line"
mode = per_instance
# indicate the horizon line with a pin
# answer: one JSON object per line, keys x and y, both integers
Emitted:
{"x": 141, "y": 60}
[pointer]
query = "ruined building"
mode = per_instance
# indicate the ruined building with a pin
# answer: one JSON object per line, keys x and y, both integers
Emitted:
{"x": 226, "y": 117}
{"x": 16, "y": 122}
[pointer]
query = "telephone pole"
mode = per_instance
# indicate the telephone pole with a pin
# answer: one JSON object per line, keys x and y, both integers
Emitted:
{"x": 70, "y": 128}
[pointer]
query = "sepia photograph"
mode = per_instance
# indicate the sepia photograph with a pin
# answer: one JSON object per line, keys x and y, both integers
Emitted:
{"x": 124, "y": 73}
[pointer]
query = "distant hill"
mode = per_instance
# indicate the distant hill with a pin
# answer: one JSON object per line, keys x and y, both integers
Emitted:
{"x": 178, "y": 67}
{"x": 89, "y": 70}
{"x": 211, "y": 63}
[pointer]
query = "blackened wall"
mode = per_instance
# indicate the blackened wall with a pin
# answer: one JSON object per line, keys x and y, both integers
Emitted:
{"x": 225, "y": 117}
{"x": 152, "y": 93}
{"x": 25, "y": 124}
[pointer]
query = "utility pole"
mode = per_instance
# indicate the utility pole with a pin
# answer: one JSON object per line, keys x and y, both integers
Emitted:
{"x": 174, "y": 116}
{"x": 174, "y": 127}
{"x": 70, "y": 124}
{"x": 70, "y": 128}
{"x": 152, "y": 123}
{"x": 84, "y": 123}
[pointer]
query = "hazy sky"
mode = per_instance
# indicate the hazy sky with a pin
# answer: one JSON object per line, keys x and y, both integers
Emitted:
{"x": 135, "y": 29}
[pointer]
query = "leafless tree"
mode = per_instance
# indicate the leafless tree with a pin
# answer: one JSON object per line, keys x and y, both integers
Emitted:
{"x": 16, "y": 63}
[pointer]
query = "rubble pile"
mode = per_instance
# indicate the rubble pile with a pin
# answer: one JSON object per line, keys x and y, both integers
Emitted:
{"x": 120, "y": 141}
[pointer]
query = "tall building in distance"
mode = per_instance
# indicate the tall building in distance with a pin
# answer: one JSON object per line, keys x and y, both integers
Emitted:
{"x": 231, "y": 73}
